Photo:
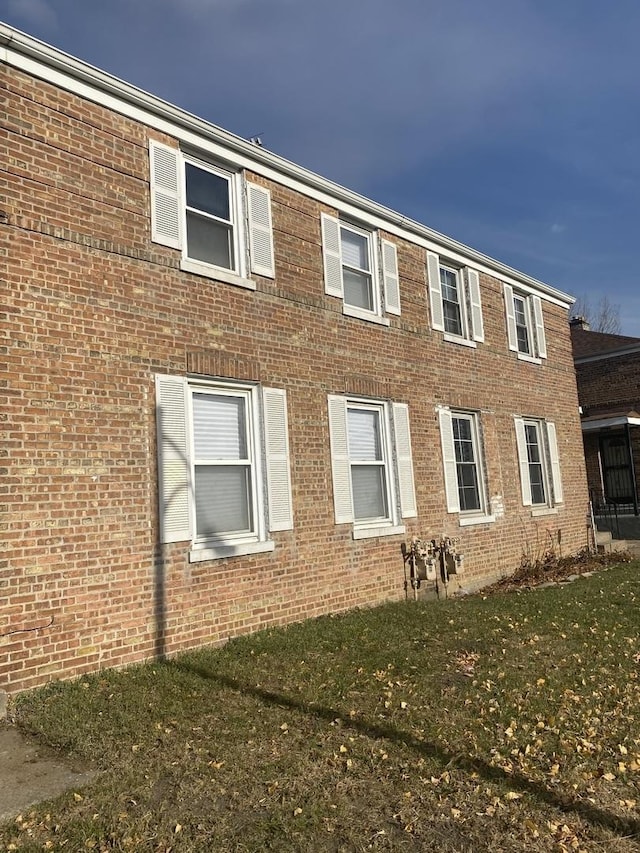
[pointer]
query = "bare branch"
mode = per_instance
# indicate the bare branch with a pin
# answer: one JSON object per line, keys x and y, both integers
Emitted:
{"x": 604, "y": 317}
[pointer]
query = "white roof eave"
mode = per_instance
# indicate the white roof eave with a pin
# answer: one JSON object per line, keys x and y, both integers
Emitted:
{"x": 49, "y": 63}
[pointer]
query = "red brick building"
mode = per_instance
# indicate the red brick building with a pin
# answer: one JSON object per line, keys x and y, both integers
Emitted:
{"x": 608, "y": 375}
{"x": 233, "y": 391}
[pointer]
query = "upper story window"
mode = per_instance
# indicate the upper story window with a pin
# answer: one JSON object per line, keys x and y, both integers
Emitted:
{"x": 525, "y": 324}
{"x": 371, "y": 463}
{"x": 454, "y": 298}
{"x": 463, "y": 465}
{"x": 223, "y": 465}
{"x": 540, "y": 479}
{"x": 211, "y": 214}
{"x": 199, "y": 208}
{"x": 357, "y": 269}
{"x": 368, "y": 289}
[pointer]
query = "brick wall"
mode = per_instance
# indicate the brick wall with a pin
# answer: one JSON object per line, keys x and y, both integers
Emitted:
{"x": 94, "y": 310}
{"x": 610, "y": 383}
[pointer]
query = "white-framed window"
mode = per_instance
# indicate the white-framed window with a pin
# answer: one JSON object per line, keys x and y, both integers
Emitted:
{"x": 373, "y": 486}
{"x": 463, "y": 464}
{"x": 211, "y": 214}
{"x": 455, "y": 302}
{"x": 368, "y": 285}
{"x": 540, "y": 479}
{"x": 223, "y": 465}
{"x": 221, "y": 224}
{"x": 525, "y": 324}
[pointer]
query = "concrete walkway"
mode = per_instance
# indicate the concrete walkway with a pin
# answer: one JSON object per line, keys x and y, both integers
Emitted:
{"x": 30, "y": 773}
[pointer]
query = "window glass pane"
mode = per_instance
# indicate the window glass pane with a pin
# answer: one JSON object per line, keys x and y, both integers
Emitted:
{"x": 520, "y": 312}
{"x": 468, "y": 491}
{"x": 369, "y": 492}
{"x": 452, "y": 318}
{"x": 536, "y": 471}
{"x": 207, "y": 192}
{"x": 533, "y": 448}
{"x": 463, "y": 439}
{"x": 219, "y": 428}
{"x": 223, "y": 499}
{"x": 523, "y": 340}
{"x": 364, "y": 435}
{"x": 355, "y": 249}
{"x": 466, "y": 467}
{"x": 209, "y": 241}
{"x": 451, "y": 301}
{"x": 449, "y": 283}
{"x": 357, "y": 289}
{"x": 537, "y": 484}
{"x": 522, "y": 325}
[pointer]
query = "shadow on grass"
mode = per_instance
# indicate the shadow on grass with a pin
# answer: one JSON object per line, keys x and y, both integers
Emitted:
{"x": 625, "y": 827}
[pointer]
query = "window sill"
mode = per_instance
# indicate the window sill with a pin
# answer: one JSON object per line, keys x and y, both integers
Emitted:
{"x": 360, "y": 314}
{"x": 530, "y": 358}
{"x": 208, "y": 271}
{"x": 454, "y": 339}
{"x": 385, "y": 530}
{"x": 544, "y": 510}
{"x": 468, "y": 520}
{"x": 240, "y": 549}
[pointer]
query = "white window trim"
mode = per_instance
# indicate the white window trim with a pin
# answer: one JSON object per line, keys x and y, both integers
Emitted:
{"x": 450, "y": 470}
{"x": 267, "y": 430}
{"x": 217, "y": 273}
{"x": 551, "y": 473}
{"x": 462, "y": 302}
{"x": 361, "y": 314}
{"x": 250, "y": 207}
{"x": 397, "y": 459}
{"x": 237, "y": 218}
{"x": 468, "y": 286}
{"x": 250, "y": 395}
{"x": 387, "y": 457}
{"x": 535, "y": 324}
{"x": 383, "y": 270}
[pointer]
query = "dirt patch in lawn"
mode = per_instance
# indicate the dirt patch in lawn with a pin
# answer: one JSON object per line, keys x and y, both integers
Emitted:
{"x": 30, "y": 773}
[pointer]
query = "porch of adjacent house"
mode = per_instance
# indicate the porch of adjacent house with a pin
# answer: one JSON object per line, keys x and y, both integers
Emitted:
{"x": 612, "y": 452}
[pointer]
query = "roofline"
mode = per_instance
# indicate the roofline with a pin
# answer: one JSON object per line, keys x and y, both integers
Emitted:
{"x": 602, "y": 423}
{"x": 22, "y": 44}
{"x": 614, "y": 353}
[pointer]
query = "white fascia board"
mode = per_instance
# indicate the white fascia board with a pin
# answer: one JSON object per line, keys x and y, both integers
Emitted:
{"x": 590, "y": 426}
{"x": 60, "y": 69}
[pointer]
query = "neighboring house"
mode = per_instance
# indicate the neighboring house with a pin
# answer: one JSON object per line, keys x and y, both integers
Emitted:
{"x": 234, "y": 391}
{"x": 608, "y": 375}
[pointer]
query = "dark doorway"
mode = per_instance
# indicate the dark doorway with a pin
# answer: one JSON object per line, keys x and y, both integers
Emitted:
{"x": 616, "y": 469}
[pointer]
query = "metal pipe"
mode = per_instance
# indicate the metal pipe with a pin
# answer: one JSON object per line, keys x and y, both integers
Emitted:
{"x": 633, "y": 470}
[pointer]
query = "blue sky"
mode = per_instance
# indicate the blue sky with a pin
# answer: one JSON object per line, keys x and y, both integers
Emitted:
{"x": 510, "y": 125}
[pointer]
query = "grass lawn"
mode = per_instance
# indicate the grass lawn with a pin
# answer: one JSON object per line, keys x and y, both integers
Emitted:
{"x": 506, "y": 722}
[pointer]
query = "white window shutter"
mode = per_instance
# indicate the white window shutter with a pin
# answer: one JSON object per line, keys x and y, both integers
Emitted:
{"x": 166, "y": 213}
{"x": 435, "y": 291}
{"x": 523, "y": 459}
{"x": 276, "y": 442}
{"x": 449, "y": 460}
{"x": 541, "y": 341}
{"x": 390, "y": 278}
{"x": 331, "y": 255}
{"x": 260, "y": 230}
{"x": 173, "y": 459}
{"x": 404, "y": 460}
{"x": 477, "y": 324}
{"x": 555, "y": 462}
{"x": 510, "y": 313}
{"x": 340, "y": 468}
